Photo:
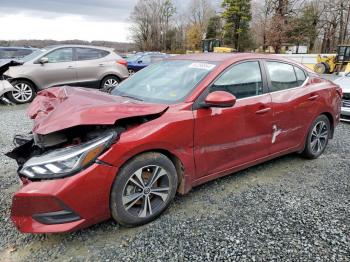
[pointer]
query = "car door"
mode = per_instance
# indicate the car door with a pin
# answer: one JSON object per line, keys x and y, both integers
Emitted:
{"x": 294, "y": 104}
{"x": 90, "y": 65}
{"x": 59, "y": 70}
{"x": 229, "y": 137}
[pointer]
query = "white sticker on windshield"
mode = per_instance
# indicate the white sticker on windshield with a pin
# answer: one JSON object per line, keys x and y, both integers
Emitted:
{"x": 204, "y": 66}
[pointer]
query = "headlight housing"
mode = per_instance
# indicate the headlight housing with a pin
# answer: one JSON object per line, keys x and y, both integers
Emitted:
{"x": 66, "y": 161}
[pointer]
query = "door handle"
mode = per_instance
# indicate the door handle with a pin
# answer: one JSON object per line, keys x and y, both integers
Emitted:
{"x": 70, "y": 67}
{"x": 263, "y": 111}
{"x": 101, "y": 65}
{"x": 313, "y": 97}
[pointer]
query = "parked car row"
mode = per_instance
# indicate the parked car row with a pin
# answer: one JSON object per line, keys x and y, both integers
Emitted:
{"x": 76, "y": 65}
{"x": 95, "y": 67}
{"x": 29, "y": 70}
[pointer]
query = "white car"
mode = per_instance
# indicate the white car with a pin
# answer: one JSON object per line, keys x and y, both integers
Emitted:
{"x": 344, "y": 83}
{"x": 5, "y": 86}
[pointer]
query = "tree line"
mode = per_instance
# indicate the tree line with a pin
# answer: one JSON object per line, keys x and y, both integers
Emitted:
{"x": 245, "y": 25}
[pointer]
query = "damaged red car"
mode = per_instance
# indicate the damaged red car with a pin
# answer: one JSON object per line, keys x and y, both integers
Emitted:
{"x": 92, "y": 156}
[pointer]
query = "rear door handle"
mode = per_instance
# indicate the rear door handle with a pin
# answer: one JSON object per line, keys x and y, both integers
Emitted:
{"x": 313, "y": 97}
{"x": 263, "y": 111}
{"x": 70, "y": 67}
{"x": 101, "y": 65}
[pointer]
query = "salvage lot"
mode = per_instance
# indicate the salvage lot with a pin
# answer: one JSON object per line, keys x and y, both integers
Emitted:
{"x": 285, "y": 209}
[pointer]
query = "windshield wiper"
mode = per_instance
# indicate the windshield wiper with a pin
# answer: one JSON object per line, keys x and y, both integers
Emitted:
{"x": 132, "y": 97}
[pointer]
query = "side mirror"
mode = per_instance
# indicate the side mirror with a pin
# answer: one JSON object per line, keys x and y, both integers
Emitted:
{"x": 139, "y": 62}
{"x": 43, "y": 60}
{"x": 220, "y": 99}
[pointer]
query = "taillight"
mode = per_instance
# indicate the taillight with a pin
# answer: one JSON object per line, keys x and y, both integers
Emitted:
{"x": 123, "y": 62}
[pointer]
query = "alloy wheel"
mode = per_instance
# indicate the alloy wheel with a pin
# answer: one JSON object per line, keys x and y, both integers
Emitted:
{"x": 110, "y": 83}
{"x": 22, "y": 93}
{"x": 146, "y": 191}
{"x": 319, "y": 137}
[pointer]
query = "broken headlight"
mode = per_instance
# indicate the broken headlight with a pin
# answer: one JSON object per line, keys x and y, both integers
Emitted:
{"x": 67, "y": 161}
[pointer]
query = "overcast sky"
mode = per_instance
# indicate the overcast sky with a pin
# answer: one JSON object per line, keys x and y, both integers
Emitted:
{"x": 67, "y": 19}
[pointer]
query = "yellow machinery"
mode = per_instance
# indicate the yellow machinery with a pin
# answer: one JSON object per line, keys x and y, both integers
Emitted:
{"x": 334, "y": 63}
{"x": 215, "y": 45}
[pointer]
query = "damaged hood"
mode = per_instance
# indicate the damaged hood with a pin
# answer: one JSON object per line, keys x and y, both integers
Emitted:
{"x": 6, "y": 64}
{"x": 64, "y": 107}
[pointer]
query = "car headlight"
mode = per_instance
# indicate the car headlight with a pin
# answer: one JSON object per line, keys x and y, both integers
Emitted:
{"x": 67, "y": 161}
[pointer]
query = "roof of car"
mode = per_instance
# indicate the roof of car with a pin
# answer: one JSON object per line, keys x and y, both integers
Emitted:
{"x": 84, "y": 46}
{"x": 233, "y": 57}
{"x": 222, "y": 57}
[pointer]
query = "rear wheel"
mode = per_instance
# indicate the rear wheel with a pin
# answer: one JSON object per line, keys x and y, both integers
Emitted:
{"x": 131, "y": 72}
{"x": 24, "y": 92}
{"x": 109, "y": 83}
{"x": 143, "y": 189}
{"x": 317, "y": 138}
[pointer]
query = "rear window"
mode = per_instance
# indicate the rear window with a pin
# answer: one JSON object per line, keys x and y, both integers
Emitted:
{"x": 90, "y": 54}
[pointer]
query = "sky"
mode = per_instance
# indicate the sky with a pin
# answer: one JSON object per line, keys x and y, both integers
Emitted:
{"x": 67, "y": 19}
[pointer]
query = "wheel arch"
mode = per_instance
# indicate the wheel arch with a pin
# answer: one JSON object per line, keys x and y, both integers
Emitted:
{"x": 109, "y": 74}
{"x": 331, "y": 121}
{"x": 182, "y": 187}
{"x": 26, "y": 79}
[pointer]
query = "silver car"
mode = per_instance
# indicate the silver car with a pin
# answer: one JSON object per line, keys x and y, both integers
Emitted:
{"x": 77, "y": 65}
{"x": 344, "y": 83}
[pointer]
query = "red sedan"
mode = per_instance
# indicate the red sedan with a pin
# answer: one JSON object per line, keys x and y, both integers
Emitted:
{"x": 168, "y": 128}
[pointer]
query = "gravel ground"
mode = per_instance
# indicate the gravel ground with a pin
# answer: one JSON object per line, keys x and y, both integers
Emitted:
{"x": 288, "y": 209}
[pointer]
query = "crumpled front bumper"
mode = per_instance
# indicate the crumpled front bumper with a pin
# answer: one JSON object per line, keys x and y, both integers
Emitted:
{"x": 64, "y": 205}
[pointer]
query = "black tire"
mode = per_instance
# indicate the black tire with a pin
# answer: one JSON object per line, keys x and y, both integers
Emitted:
{"x": 109, "y": 83}
{"x": 131, "y": 72}
{"x": 25, "y": 92}
{"x": 321, "y": 68}
{"x": 320, "y": 130}
{"x": 125, "y": 194}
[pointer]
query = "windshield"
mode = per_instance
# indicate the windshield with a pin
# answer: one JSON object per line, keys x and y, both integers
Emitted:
{"x": 32, "y": 55}
{"x": 164, "y": 82}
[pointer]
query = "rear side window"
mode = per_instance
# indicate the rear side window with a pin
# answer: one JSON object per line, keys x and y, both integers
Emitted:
{"x": 282, "y": 76}
{"x": 301, "y": 77}
{"x": 90, "y": 54}
{"x": 242, "y": 80}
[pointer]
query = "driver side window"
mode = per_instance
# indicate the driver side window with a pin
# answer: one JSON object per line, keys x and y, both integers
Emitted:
{"x": 242, "y": 80}
{"x": 61, "y": 55}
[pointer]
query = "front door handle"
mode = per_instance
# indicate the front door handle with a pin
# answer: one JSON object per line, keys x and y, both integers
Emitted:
{"x": 101, "y": 65}
{"x": 70, "y": 67}
{"x": 313, "y": 97}
{"x": 263, "y": 111}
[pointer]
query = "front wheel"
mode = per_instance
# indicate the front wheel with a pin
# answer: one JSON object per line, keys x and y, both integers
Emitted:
{"x": 24, "y": 92}
{"x": 317, "y": 138}
{"x": 143, "y": 189}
